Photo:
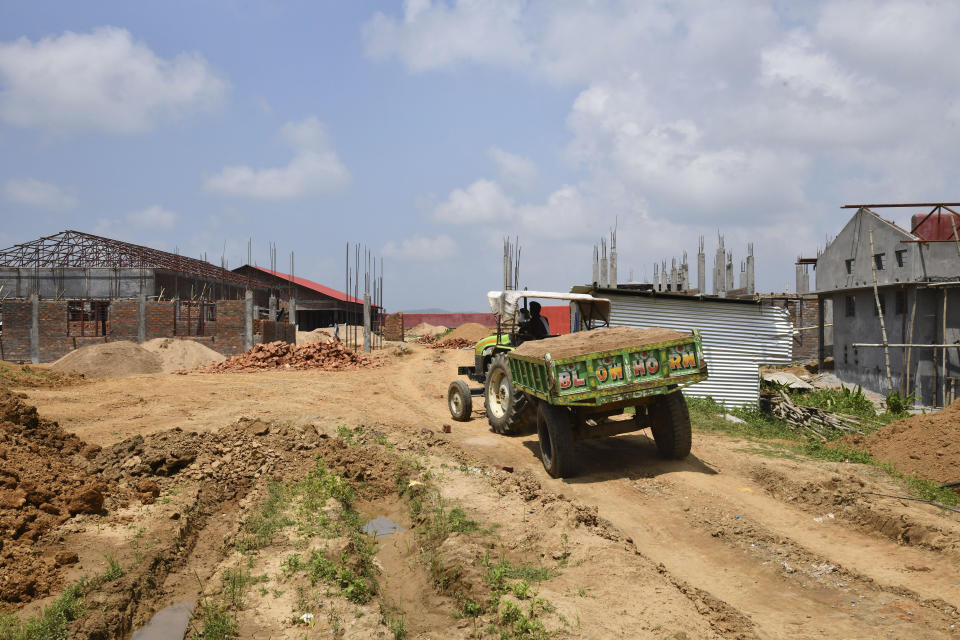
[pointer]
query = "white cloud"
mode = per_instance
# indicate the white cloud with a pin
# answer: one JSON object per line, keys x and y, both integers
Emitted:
{"x": 155, "y": 218}
{"x": 689, "y": 116}
{"x": 35, "y": 193}
{"x": 315, "y": 169}
{"x": 103, "y": 80}
{"x": 138, "y": 225}
{"x": 421, "y": 248}
{"x": 515, "y": 172}
{"x": 432, "y": 34}
{"x": 805, "y": 69}
{"x": 481, "y": 202}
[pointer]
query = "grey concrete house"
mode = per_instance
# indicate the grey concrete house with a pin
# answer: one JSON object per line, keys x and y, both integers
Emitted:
{"x": 917, "y": 274}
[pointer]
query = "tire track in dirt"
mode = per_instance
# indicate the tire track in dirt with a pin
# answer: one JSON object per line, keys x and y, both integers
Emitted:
{"x": 699, "y": 558}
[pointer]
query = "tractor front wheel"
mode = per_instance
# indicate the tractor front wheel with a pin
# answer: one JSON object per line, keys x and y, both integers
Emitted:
{"x": 459, "y": 400}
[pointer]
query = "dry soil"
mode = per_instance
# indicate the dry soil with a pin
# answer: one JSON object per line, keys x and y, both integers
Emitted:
{"x": 740, "y": 540}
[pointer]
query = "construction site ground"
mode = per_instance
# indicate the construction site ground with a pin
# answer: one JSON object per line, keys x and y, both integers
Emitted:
{"x": 743, "y": 539}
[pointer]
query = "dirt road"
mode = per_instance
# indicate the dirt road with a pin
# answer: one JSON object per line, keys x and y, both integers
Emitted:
{"x": 736, "y": 541}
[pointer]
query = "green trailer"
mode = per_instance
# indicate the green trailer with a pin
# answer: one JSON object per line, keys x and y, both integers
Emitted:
{"x": 629, "y": 382}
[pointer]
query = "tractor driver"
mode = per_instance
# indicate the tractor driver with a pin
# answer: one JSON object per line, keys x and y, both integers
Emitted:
{"x": 538, "y": 326}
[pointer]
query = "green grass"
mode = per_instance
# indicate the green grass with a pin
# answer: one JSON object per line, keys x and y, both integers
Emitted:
{"x": 23, "y": 375}
{"x": 114, "y": 569}
{"x": 261, "y": 528}
{"x": 707, "y": 415}
{"x": 53, "y": 620}
{"x": 217, "y": 622}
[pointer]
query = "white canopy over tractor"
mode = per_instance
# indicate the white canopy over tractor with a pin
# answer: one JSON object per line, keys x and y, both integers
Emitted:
{"x": 504, "y": 305}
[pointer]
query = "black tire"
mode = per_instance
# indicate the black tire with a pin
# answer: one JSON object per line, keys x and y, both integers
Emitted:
{"x": 459, "y": 400}
{"x": 555, "y": 428}
{"x": 670, "y": 423}
{"x": 508, "y": 410}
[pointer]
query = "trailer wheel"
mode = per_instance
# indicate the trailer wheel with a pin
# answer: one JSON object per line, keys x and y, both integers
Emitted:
{"x": 670, "y": 422}
{"x": 459, "y": 400}
{"x": 508, "y": 410}
{"x": 555, "y": 428}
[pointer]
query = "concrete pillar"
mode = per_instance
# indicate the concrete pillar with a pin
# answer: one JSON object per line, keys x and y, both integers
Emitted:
{"x": 273, "y": 307}
{"x": 142, "y": 319}
{"x": 34, "y": 328}
{"x": 248, "y": 320}
{"x": 613, "y": 269}
{"x": 366, "y": 323}
{"x": 292, "y": 308}
{"x": 702, "y": 273}
{"x": 820, "y": 333}
{"x": 751, "y": 286}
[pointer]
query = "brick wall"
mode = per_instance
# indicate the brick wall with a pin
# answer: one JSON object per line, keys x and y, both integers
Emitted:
{"x": 16, "y": 331}
{"x": 226, "y": 335}
{"x": 159, "y": 319}
{"x": 393, "y": 327}
{"x": 55, "y": 339}
{"x": 123, "y": 320}
{"x": 273, "y": 331}
{"x": 231, "y": 326}
{"x": 803, "y": 313}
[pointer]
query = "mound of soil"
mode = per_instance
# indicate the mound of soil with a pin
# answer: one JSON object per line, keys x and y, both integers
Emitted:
{"x": 317, "y": 335}
{"x": 36, "y": 376}
{"x": 110, "y": 359}
{"x": 426, "y": 329}
{"x": 330, "y": 356}
{"x": 927, "y": 445}
{"x": 471, "y": 331}
{"x": 583, "y": 342}
{"x": 39, "y": 489}
{"x": 175, "y": 354}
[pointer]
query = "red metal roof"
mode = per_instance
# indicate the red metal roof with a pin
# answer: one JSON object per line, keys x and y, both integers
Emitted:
{"x": 310, "y": 284}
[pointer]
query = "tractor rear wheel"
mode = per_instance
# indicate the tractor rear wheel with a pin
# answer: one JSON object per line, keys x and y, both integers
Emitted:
{"x": 508, "y": 410}
{"x": 555, "y": 429}
{"x": 670, "y": 422}
{"x": 459, "y": 400}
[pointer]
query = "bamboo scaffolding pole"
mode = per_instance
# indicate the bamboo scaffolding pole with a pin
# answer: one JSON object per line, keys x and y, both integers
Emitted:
{"x": 883, "y": 327}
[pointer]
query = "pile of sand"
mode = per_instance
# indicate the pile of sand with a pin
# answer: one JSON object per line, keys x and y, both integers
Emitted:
{"x": 583, "y": 342}
{"x": 317, "y": 335}
{"x": 471, "y": 332}
{"x": 175, "y": 354}
{"x": 425, "y": 329}
{"x": 928, "y": 445}
{"x": 110, "y": 359}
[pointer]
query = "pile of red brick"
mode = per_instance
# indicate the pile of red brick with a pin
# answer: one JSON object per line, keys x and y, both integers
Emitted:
{"x": 452, "y": 343}
{"x": 330, "y": 356}
{"x": 428, "y": 339}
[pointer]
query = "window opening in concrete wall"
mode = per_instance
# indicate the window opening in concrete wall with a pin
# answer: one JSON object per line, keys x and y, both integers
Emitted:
{"x": 87, "y": 317}
{"x": 878, "y": 260}
{"x": 849, "y": 263}
{"x": 883, "y": 304}
{"x": 901, "y": 302}
{"x": 851, "y": 306}
{"x": 900, "y": 254}
{"x": 193, "y": 316}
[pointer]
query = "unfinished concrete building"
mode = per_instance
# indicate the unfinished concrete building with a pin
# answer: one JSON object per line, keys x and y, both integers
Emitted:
{"x": 896, "y": 308}
{"x": 314, "y": 305}
{"x": 65, "y": 291}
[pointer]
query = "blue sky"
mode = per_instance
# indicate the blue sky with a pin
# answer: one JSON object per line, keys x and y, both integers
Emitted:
{"x": 428, "y": 130}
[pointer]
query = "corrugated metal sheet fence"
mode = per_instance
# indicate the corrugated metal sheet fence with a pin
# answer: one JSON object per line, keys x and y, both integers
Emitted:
{"x": 737, "y": 338}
